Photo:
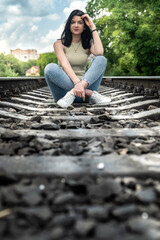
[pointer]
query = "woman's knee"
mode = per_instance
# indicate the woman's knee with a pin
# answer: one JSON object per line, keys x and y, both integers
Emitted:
{"x": 50, "y": 68}
{"x": 101, "y": 60}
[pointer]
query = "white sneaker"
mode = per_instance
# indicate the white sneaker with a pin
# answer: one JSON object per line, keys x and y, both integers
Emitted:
{"x": 67, "y": 100}
{"x": 98, "y": 98}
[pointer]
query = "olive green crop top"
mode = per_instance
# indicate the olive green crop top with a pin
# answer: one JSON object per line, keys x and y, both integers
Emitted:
{"x": 77, "y": 57}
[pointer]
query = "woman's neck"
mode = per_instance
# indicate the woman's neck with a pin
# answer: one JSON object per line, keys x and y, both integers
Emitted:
{"x": 76, "y": 39}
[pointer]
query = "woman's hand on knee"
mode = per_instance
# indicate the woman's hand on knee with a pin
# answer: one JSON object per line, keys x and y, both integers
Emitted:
{"x": 79, "y": 90}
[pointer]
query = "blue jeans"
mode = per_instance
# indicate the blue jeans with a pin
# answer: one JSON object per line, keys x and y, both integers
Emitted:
{"x": 59, "y": 82}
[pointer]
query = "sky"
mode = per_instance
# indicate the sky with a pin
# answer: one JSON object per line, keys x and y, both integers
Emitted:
{"x": 29, "y": 24}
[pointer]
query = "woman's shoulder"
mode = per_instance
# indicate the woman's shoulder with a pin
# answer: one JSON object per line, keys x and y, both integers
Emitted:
{"x": 58, "y": 43}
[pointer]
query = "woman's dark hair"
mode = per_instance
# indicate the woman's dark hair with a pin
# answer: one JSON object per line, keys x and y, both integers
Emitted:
{"x": 66, "y": 36}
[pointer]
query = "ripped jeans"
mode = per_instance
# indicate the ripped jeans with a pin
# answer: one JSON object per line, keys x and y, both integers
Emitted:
{"x": 59, "y": 82}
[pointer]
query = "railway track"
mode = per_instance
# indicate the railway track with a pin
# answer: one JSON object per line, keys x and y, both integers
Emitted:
{"x": 81, "y": 172}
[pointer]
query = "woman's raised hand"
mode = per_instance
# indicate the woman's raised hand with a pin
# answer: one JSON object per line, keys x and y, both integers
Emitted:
{"x": 88, "y": 21}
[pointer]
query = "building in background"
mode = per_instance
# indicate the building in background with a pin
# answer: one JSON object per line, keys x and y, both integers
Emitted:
{"x": 25, "y": 55}
{"x": 33, "y": 71}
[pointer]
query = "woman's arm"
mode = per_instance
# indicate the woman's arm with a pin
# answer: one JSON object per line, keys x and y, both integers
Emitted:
{"x": 97, "y": 47}
{"x": 59, "y": 51}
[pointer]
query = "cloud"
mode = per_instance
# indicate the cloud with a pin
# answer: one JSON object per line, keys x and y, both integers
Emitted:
{"x": 4, "y": 47}
{"x": 34, "y": 28}
{"x": 36, "y": 19}
{"x": 75, "y": 5}
{"x": 51, "y": 37}
{"x": 26, "y": 8}
{"x": 39, "y": 7}
{"x": 53, "y": 17}
{"x": 20, "y": 20}
{"x": 14, "y": 9}
{"x": 20, "y": 33}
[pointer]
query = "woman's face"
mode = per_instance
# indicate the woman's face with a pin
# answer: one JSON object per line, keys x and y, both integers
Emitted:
{"x": 77, "y": 25}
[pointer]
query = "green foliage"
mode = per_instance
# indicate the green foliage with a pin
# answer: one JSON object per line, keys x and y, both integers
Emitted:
{"x": 14, "y": 63}
{"x": 12, "y": 67}
{"x": 26, "y": 65}
{"x": 130, "y": 35}
{"x": 8, "y": 66}
{"x": 44, "y": 59}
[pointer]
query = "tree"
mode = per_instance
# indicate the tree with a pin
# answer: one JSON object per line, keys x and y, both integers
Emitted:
{"x": 12, "y": 67}
{"x": 6, "y": 66}
{"x": 130, "y": 35}
{"x": 44, "y": 59}
{"x": 14, "y": 64}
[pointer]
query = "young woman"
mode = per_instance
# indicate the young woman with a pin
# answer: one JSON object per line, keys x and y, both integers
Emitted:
{"x": 69, "y": 81}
